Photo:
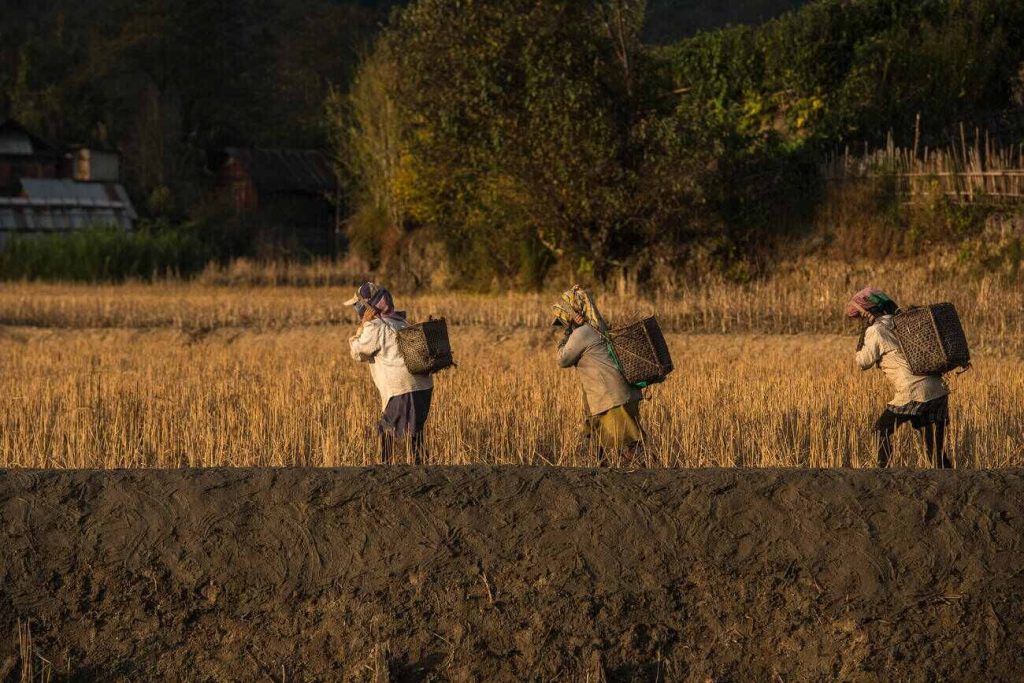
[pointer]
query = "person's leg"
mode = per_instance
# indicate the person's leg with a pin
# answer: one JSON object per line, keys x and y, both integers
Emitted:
{"x": 933, "y": 433}
{"x": 415, "y": 441}
{"x": 387, "y": 445}
{"x": 614, "y": 432}
{"x": 941, "y": 460}
{"x": 421, "y": 408}
{"x": 608, "y": 436}
{"x": 634, "y": 451}
{"x": 388, "y": 428}
{"x": 927, "y": 432}
{"x": 592, "y": 447}
{"x": 404, "y": 419}
{"x": 884, "y": 428}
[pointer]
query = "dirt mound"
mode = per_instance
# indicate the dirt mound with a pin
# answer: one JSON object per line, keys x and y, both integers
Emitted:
{"x": 513, "y": 574}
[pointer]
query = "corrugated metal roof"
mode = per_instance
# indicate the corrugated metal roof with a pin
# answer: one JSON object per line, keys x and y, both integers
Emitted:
{"x": 71, "y": 193}
{"x": 62, "y": 188}
{"x": 62, "y": 205}
{"x": 286, "y": 170}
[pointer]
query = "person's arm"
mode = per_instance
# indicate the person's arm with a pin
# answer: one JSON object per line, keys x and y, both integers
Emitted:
{"x": 870, "y": 351}
{"x": 569, "y": 353}
{"x": 366, "y": 343}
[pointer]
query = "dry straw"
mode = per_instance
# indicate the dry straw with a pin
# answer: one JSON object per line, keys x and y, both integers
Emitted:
{"x": 193, "y": 375}
{"x": 161, "y": 398}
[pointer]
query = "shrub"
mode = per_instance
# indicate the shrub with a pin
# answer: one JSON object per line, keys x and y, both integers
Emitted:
{"x": 104, "y": 254}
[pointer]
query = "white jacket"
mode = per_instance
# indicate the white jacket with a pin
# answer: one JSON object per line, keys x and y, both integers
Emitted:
{"x": 376, "y": 343}
{"x": 882, "y": 350}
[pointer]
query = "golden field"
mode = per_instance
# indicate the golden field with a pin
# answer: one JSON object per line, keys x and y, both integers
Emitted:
{"x": 180, "y": 375}
{"x": 806, "y": 297}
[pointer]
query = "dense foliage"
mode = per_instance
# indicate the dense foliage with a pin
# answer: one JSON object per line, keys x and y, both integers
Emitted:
{"x": 534, "y": 136}
{"x": 487, "y": 141}
{"x": 169, "y": 83}
{"x": 838, "y": 71}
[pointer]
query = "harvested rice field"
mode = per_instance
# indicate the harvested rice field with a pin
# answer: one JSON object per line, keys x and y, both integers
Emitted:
{"x": 204, "y": 376}
{"x": 113, "y": 398}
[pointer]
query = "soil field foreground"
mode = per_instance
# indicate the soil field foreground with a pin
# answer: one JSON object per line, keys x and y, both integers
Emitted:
{"x": 513, "y": 574}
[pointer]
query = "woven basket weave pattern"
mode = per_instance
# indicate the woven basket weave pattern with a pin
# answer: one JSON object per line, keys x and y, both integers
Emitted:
{"x": 951, "y": 333}
{"x": 425, "y": 347}
{"x": 642, "y": 352}
{"x": 932, "y": 339}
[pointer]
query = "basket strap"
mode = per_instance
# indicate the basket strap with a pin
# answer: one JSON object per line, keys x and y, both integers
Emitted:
{"x": 615, "y": 357}
{"x": 611, "y": 347}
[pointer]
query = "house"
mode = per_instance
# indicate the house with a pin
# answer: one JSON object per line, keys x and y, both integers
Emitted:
{"x": 287, "y": 197}
{"x": 24, "y": 155}
{"x": 45, "y": 190}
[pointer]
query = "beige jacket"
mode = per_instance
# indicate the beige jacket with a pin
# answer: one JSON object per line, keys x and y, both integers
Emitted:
{"x": 882, "y": 350}
{"x": 376, "y": 343}
{"x": 604, "y": 387}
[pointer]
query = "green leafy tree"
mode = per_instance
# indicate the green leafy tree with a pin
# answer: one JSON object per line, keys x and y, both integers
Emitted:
{"x": 529, "y": 134}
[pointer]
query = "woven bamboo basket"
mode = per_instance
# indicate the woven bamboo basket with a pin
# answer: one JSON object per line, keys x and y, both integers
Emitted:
{"x": 932, "y": 339}
{"x": 425, "y": 347}
{"x": 642, "y": 352}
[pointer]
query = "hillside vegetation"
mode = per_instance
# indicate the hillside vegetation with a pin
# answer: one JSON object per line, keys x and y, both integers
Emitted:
{"x": 509, "y": 143}
{"x": 532, "y": 141}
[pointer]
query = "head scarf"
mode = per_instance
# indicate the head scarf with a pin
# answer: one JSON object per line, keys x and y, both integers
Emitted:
{"x": 577, "y": 301}
{"x": 371, "y": 295}
{"x": 871, "y": 301}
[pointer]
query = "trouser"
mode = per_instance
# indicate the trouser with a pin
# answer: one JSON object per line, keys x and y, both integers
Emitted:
{"x": 616, "y": 434}
{"x": 933, "y": 433}
{"x": 401, "y": 426}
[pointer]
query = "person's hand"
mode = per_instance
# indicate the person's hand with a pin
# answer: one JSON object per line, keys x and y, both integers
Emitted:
{"x": 578, "y": 319}
{"x": 366, "y": 317}
{"x": 565, "y": 337}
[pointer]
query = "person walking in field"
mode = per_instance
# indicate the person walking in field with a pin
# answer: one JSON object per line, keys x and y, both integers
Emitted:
{"x": 405, "y": 397}
{"x": 921, "y": 400}
{"x": 612, "y": 406}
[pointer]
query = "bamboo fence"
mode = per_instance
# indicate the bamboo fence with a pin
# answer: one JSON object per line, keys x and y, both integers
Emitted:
{"x": 966, "y": 171}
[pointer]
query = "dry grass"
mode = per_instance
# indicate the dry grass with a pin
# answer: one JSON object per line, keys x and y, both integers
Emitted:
{"x": 197, "y": 375}
{"x": 805, "y": 298}
{"x": 243, "y": 397}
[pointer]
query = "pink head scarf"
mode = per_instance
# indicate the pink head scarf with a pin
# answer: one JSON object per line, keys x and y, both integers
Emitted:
{"x": 870, "y": 301}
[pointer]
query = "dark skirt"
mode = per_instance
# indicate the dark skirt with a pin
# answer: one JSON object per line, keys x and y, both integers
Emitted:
{"x": 920, "y": 414}
{"x": 402, "y": 424}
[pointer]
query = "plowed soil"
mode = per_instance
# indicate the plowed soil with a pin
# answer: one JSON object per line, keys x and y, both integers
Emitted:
{"x": 513, "y": 574}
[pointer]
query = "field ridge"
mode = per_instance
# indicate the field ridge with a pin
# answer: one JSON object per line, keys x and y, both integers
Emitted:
{"x": 515, "y": 573}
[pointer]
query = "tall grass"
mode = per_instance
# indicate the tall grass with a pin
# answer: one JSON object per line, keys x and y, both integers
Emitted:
{"x": 807, "y": 297}
{"x": 166, "y": 398}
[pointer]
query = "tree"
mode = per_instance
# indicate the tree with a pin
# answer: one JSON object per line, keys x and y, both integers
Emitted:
{"x": 528, "y": 132}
